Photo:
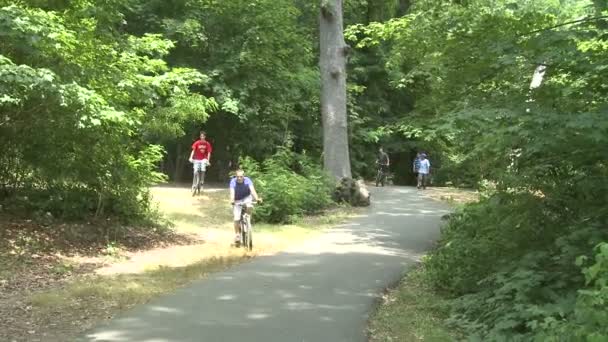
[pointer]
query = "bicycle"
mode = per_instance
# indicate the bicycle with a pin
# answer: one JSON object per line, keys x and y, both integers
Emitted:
{"x": 198, "y": 179}
{"x": 381, "y": 175}
{"x": 246, "y": 226}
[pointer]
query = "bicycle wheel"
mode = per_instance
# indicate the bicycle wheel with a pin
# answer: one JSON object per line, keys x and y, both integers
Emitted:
{"x": 202, "y": 179}
{"x": 199, "y": 183}
{"x": 195, "y": 184}
{"x": 243, "y": 233}
{"x": 249, "y": 240}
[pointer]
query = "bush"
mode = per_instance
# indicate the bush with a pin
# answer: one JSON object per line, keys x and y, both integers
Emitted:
{"x": 75, "y": 145}
{"x": 510, "y": 262}
{"x": 588, "y": 320}
{"x": 290, "y": 184}
{"x": 510, "y": 259}
{"x": 123, "y": 194}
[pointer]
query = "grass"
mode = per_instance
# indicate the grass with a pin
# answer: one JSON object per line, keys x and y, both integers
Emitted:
{"x": 190, "y": 214}
{"x": 125, "y": 290}
{"x": 452, "y": 196}
{"x": 128, "y": 278}
{"x": 211, "y": 216}
{"x": 411, "y": 312}
{"x": 213, "y": 211}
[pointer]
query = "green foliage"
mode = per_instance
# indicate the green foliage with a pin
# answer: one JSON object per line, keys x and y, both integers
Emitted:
{"x": 261, "y": 68}
{"x": 76, "y": 102}
{"x": 291, "y": 185}
{"x": 89, "y": 89}
{"x": 510, "y": 259}
{"x": 588, "y": 321}
{"x": 591, "y": 312}
{"x": 539, "y": 151}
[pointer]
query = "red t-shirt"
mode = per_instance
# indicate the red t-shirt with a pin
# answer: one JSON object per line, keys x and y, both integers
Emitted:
{"x": 201, "y": 150}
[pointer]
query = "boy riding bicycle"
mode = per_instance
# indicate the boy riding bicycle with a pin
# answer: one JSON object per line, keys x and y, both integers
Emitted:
{"x": 242, "y": 193}
{"x": 200, "y": 157}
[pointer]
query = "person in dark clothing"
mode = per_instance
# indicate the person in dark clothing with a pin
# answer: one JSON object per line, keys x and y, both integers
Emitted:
{"x": 383, "y": 163}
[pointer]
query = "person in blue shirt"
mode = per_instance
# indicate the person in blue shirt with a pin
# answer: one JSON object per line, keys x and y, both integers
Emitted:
{"x": 416, "y": 165}
{"x": 242, "y": 193}
{"x": 423, "y": 171}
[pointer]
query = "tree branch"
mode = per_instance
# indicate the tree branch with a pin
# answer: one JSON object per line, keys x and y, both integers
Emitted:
{"x": 565, "y": 24}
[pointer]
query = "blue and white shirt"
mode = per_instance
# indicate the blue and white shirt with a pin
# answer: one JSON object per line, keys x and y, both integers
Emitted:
{"x": 425, "y": 166}
{"x": 241, "y": 190}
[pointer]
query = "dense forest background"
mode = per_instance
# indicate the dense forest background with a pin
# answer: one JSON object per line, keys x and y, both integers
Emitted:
{"x": 101, "y": 99}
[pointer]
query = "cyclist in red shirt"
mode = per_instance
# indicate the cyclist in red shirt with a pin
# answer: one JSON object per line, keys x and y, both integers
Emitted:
{"x": 200, "y": 156}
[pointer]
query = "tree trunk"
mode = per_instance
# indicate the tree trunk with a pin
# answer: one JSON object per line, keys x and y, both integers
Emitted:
{"x": 404, "y": 7}
{"x": 332, "y": 62}
{"x": 600, "y": 7}
{"x": 178, "y": 164}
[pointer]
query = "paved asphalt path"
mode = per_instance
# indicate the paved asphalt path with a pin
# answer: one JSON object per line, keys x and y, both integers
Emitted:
{"x": 320, "y": 291}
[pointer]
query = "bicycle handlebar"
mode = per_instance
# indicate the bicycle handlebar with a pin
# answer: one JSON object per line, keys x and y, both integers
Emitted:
{"x": 243, "y": 203}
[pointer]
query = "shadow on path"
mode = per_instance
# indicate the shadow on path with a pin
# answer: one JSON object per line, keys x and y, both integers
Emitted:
{"x": 321, "y": 290}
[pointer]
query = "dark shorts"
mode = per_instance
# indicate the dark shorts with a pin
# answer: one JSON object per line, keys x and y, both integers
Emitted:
{"x": 422, "y": 179}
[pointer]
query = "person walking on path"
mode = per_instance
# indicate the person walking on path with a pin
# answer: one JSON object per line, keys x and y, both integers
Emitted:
{"x": 423, "y": 171}
{"x": 416, "y": 165}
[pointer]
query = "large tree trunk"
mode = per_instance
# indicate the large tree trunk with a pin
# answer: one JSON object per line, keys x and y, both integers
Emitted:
{"x": 332, "y": 61}
{"x": 178, "y": 163}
